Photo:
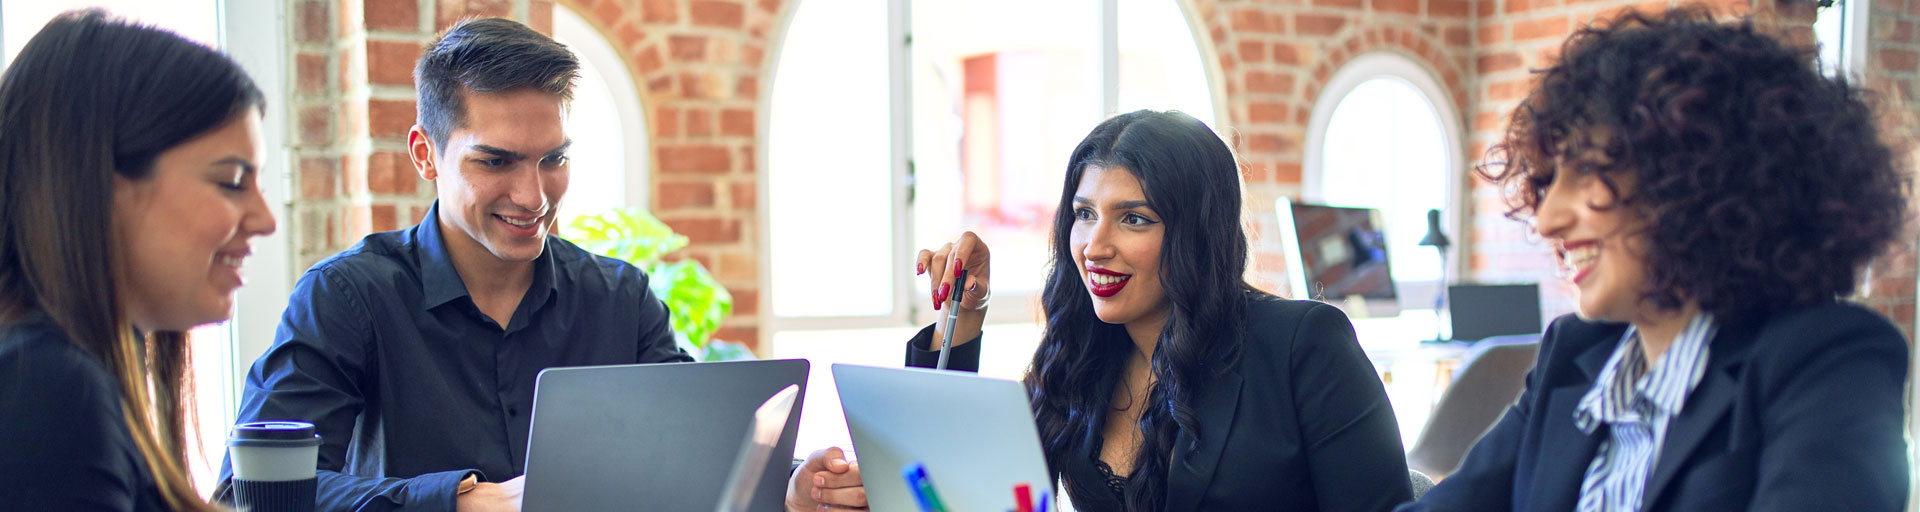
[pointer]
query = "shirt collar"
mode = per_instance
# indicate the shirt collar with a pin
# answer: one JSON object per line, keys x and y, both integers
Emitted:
{"x": 440, "y": 282}
{"x": 1626, "y": 378}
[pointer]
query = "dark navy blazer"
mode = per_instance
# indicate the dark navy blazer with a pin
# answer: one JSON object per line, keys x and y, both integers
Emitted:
{"x": 1800, "y": 411}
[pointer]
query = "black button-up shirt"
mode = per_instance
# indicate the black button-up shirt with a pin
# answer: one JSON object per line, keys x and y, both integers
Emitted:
{"x": 411, "y": 386}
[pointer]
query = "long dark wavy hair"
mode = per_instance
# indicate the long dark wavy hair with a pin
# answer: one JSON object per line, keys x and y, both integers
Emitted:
{"x": 1191, "y": 181}
{"x": 92, "y": 98}
{"x": 1765, "y": 185}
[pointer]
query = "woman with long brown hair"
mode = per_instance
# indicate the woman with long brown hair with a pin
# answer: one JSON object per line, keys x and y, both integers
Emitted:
{"x": 128, "y": 161}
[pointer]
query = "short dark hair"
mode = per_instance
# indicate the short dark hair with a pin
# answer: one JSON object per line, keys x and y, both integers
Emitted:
{"x": 1764, "y": 184}
{"x": 486, "y": 55}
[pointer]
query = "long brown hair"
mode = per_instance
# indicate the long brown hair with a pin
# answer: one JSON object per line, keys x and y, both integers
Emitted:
{"x": 89, "y": 98}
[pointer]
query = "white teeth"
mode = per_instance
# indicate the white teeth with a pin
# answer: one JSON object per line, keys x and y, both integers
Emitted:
{"x": 1106, "y": 280}
{"x": 516, "y": 222}
{"x": 1572, "y": 261}
{"x": 231, "y": 261}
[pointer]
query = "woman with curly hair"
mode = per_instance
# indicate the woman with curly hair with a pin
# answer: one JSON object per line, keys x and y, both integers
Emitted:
{"x": 1711, "y": 197}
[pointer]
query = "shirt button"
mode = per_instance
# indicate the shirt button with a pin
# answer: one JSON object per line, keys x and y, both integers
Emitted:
{"x": 513, "y": 411}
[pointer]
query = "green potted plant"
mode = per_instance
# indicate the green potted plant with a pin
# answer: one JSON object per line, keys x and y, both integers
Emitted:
{"x": 697, "y": 301}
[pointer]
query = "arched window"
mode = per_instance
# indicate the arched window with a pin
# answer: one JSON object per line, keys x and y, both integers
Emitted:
{"x": 1383, "y": 135}
{"x": 607, "y": 163}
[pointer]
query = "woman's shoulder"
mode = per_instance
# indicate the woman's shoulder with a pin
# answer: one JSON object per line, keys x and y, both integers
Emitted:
{"x": 1791, "y": 336}
{"x": 67, "y": 444}
{"x": 1278, "y": 328}
{"x": 1268, "y": 315}
{"x": 40, "y": 367}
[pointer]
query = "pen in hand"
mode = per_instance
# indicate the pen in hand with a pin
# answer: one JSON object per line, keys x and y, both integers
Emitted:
{"x": 953, "y": 317}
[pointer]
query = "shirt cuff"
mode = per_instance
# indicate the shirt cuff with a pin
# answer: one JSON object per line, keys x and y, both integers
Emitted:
{"x": 436, "y": 491}
{"x": 921, "y": 353}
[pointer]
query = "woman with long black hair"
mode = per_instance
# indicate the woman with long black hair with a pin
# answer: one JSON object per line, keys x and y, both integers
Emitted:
{"x": 1163, "y": 380}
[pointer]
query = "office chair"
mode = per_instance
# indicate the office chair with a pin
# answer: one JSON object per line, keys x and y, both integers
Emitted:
{"x": 1490, "y": 379}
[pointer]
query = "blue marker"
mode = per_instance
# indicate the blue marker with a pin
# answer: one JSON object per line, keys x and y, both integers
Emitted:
{"x": 922, "y": 488}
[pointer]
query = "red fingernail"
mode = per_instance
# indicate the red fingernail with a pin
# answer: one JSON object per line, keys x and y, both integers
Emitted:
{"x": 919, "y": 269}
{"x": 957, "y": 269}
{"x": 946, "y": 289}
{"x": 976, "y": 284}
{"x": 936, "y": 303}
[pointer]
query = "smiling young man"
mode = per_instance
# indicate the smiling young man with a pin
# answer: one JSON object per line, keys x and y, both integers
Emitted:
{"x": 415, "y": 352}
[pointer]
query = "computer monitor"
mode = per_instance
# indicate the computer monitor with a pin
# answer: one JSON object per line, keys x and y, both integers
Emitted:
{"x": 1338, "y": 256}
{"x": 1483, "y": 311}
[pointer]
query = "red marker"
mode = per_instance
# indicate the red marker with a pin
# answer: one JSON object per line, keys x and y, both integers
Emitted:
{"x": 1022, "y": 498}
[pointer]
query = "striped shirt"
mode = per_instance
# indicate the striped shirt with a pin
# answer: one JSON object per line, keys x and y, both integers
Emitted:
{"x": 1636, "y": 403}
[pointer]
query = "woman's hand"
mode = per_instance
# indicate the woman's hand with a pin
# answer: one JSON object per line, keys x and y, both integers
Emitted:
{"x": 942, "y": 265}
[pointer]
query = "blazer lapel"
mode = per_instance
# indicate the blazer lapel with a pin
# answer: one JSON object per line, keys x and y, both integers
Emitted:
{"x": 1192, "y": 469}
{"x": 1702, "y": 410}
{"x": 1565, "y": 451}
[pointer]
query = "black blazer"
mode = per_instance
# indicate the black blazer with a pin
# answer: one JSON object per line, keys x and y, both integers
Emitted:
{"x": 64, "y": 445}
{"x": 1802, "y": 411}
{"x": 1301, "y": 423}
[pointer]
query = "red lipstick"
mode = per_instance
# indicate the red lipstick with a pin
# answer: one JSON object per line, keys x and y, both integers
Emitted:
{"x": 1106, "y": 290}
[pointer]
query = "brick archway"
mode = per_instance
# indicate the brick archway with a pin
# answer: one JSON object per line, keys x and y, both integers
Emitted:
{"x": 1418, "y": 47}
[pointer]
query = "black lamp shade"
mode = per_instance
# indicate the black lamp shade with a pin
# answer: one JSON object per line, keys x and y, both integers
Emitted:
{"x": 1435, "y": 237}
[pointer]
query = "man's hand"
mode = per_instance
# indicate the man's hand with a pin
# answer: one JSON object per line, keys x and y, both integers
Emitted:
{"x": 826, "y": 482}
{"x": 491, "y": 497}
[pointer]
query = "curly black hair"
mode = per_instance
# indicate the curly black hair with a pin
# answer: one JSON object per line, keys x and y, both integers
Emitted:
{"x": 1765, "y": 185}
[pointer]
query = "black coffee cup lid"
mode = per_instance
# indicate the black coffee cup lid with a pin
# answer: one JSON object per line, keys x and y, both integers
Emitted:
{"x": 274, "y": 433}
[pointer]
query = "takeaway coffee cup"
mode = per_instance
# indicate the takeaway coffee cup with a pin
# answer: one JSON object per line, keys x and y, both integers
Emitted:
{"x": 273, "y": 465}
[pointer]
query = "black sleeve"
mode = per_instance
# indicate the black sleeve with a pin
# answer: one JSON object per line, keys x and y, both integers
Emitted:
{"x": 922, "y": 353}
{"x": 1352, "y": 439}
{"x": 64, "y": 444}
{"x": 312, "y": 373}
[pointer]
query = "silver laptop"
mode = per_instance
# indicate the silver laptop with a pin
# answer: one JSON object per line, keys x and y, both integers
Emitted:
{"x": 656, "y": 436}
{"x": 974, "y": 435}
{"x": 769, "y": 423}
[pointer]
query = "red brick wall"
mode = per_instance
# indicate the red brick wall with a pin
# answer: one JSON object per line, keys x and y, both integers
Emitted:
{"x": 699, "y": 65}
{"x": 1893, "y": 71}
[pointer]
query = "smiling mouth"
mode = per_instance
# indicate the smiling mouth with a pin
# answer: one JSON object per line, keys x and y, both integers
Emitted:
{"x": 1105, "y": 284}
{"x": 1576, "y": 262}
{"x": 230, "y": 260}
{"x": 517, "y": 222}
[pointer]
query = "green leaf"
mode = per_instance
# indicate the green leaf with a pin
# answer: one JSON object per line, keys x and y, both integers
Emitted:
{"x": 626, "y": 234}
{"x": 722, "y": 350}
{"x": 697, "y": 301}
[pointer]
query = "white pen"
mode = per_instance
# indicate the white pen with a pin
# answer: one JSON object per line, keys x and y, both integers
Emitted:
{"x": 953, "y": 317}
